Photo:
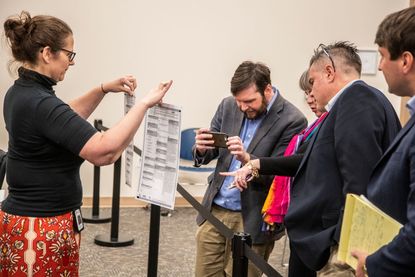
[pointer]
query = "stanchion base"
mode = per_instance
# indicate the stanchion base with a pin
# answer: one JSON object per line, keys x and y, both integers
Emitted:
{"x": 105, "y": 240}
{"x": 88, "y": 217}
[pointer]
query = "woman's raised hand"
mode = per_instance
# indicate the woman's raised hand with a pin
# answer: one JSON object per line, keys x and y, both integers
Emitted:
{"x": 125, "y": 84}
{"x": 155, "y": 96}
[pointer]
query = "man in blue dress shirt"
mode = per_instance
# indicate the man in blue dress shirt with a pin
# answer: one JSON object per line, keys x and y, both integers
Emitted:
{"x": 260, "y": 123}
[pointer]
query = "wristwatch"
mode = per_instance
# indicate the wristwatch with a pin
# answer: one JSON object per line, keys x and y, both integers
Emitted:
{"x": 254, "y": 170}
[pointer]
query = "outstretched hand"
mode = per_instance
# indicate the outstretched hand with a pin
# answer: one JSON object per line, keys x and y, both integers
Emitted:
{"x": 125, "y": 84}
{"x": 155, "y": 96}
{"x": 241, "y": 177}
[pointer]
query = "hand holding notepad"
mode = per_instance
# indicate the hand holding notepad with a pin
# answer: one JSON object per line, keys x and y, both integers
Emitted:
{"x": 365, "y": 227}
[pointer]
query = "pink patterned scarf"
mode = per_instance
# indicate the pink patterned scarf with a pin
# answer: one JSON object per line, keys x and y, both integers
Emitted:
{"x": 278, "y": 199}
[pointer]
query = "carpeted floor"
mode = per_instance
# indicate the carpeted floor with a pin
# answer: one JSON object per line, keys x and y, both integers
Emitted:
{"x": 176, "y": 248}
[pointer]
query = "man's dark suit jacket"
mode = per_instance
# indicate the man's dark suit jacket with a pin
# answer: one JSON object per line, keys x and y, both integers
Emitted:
{"x": 280, "y": 124}
{"x": 392, "y": 189}
{"x": 339, "y": 160}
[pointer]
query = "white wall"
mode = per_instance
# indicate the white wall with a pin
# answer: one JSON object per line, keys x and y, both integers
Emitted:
{"x": 198, "y": 44}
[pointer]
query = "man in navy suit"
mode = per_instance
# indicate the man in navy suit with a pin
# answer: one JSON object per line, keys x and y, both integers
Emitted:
{"x": 392, "y": 185}
{"x": 360, "y": 126}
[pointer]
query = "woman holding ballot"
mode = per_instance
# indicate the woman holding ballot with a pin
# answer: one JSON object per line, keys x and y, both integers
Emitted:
{"x": 48, "y": 141}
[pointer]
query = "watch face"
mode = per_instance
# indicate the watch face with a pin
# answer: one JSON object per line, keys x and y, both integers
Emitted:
{"x": 254, "y": 170}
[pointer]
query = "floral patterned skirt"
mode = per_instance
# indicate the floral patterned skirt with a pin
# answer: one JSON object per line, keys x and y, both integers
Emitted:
{"x": 38, "y": 246}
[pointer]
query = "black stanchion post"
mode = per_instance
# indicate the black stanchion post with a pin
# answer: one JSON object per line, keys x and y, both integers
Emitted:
{"x": 114, "y": 240}
{"x": 95, "y": 195}
{"x": 115, "y": 211}
{"x": 153, "y": 247}
{"x": 94, "y": 217}
{"x": 240, "y": 262}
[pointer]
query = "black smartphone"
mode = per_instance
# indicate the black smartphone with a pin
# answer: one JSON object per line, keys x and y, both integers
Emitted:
{"x": 219, "y": 139}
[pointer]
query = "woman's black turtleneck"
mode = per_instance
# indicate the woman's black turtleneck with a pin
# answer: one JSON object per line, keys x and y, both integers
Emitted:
{"x": 45, "y": 138}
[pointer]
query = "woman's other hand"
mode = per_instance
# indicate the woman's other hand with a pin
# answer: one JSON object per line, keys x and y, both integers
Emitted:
{"x": 156, "y": 95}
{"x": 125, "y": 84}
{"x": 241, "y": 178}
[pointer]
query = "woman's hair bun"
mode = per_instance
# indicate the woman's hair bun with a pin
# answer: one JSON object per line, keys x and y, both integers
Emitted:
{"x": 26, "y": 35}
{"x": 18, "y": 28}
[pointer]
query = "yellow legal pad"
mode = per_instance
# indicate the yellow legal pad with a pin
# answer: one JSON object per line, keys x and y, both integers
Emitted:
{"x": 365, "y": 227}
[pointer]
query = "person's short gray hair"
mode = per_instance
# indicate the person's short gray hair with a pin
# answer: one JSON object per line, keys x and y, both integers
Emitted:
{"x": 343, "y": 51}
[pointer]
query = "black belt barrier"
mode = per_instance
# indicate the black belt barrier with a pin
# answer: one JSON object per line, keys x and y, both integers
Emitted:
{"x": 241, "y": 242}
{"x": 237, "y": 238}
{"x": 228, "y": 233}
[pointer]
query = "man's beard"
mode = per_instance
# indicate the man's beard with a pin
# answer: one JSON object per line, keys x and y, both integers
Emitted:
{"x": 255, "y": 114}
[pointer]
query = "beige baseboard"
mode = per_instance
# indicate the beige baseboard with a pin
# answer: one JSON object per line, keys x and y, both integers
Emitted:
{"x": 131, "y": 202}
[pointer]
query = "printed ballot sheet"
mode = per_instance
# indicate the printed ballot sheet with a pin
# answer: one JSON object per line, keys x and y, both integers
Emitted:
{"x": 129, "y": 101}
{"x": 160, "y": 157}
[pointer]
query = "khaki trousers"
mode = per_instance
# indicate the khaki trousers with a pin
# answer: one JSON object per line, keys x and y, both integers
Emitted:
{"x": 335, "y": 268}
{"x": 213, "y": 251}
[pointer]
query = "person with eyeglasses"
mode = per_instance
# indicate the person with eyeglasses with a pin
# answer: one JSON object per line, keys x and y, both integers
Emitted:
{"x": 360, "y": 125}
{"x": 48, "y": 141}
{"x": 284, "y": 167}
{"x": 70, "y": 54}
